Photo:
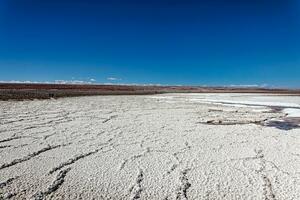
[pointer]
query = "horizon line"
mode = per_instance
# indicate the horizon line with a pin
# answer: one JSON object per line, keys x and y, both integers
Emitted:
{"x": 77, "y": 82}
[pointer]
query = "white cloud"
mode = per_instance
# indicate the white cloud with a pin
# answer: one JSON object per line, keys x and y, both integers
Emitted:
{"x": 71, "y": 82}
{"x": 90, "y": 81}
{"x": 250, "y": 86}
{"x": 113, "y": 79}
{"x": 14, "y": 81}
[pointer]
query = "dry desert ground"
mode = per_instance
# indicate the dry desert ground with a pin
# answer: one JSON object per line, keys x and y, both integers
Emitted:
{"x": 167, "y": 146}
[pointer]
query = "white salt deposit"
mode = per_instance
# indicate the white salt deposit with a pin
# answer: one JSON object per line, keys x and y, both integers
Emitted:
{"x": 136, "y": 147}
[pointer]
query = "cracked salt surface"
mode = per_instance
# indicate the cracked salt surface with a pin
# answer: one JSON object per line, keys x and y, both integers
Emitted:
{"x": 149, "y": 147}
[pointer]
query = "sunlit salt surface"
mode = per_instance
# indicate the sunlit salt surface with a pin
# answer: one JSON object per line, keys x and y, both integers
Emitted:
{"x": 150, "y": 147}
{"x": 289, "y": 105}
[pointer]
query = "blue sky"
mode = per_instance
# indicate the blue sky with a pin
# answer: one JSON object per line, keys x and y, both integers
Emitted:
{"x": 214, "y": 42}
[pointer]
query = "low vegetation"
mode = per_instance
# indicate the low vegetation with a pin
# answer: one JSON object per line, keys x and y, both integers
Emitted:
{"x": 46, "y": 91}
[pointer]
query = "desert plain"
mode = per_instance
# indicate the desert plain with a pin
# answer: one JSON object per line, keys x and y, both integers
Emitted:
{"x": 165, "y": 146}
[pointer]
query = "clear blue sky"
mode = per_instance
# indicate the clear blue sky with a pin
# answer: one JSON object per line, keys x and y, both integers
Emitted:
{"x": 213, "y": 42}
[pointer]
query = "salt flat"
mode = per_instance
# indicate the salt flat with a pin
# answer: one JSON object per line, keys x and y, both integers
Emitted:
{"x": 171, "y": 146}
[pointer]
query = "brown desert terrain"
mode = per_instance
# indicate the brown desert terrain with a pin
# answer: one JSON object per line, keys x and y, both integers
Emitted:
{"x": 22, "y": 91}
